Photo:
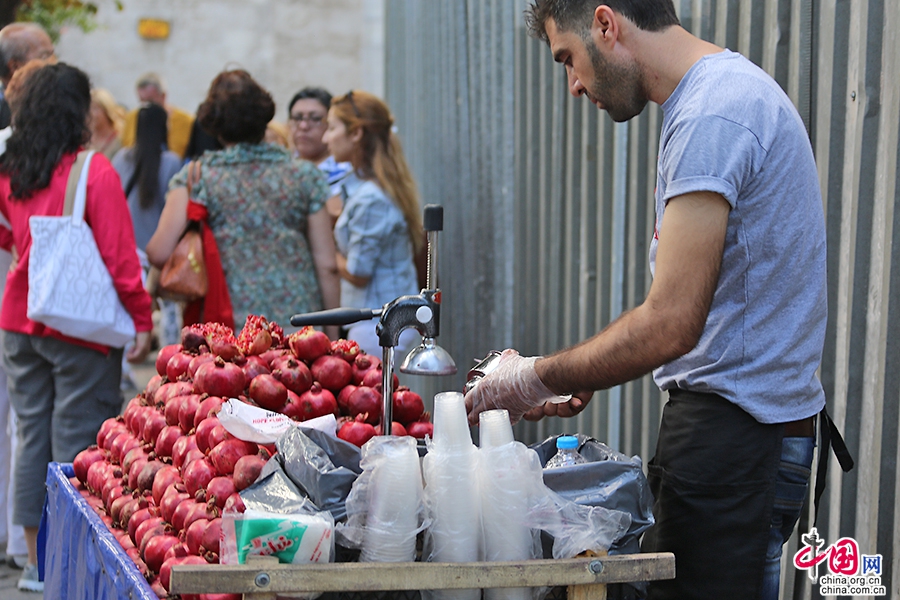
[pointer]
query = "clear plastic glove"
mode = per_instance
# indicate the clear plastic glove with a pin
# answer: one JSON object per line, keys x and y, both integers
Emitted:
{"x": 513, "y": 386}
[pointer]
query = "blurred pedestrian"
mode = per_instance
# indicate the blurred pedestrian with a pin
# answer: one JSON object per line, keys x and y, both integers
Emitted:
{"x": 145, "y": 170}
{"x": 107, "y": 121}
{"x": 380, "y": 227}
{"x": 152, "y": 88}
{"x": 265, "y": 210}
{"x": 62, "y": 388}
{"x": 19, "y": 44}
{"x": 277, "y": 133}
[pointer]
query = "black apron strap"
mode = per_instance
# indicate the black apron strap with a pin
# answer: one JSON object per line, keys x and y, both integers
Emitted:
{"x": 831, "y": 439}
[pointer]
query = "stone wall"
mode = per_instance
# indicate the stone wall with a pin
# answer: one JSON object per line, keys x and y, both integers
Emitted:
{"x": 284, "y": 44}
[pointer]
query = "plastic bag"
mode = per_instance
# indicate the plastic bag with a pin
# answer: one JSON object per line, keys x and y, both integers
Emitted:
{"x": 254, "y": 424}
{"x": 385, "y": 508}
{"x": 610, "y": 480}
{"x": 322, "y": 466}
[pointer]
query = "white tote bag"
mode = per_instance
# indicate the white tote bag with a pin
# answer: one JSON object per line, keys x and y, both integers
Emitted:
{"x": 69, "y": 287}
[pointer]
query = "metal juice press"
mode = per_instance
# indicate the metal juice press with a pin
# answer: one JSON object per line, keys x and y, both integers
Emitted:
{"x": 421, "y": 312}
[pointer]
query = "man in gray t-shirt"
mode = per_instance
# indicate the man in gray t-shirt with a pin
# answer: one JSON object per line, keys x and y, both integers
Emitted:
{"x": 734, "y": 321}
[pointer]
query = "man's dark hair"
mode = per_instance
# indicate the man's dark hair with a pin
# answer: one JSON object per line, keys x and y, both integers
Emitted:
{"x": 50, "y": 120}
{"x": 316, "y": 93}
{"x": 576, "y": 15}
{"x": 151, "y": 134}
{"x": 237, "y": 109}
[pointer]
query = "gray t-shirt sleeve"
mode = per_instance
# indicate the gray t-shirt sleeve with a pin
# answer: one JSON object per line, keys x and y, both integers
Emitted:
{"x": 710, "y": 154}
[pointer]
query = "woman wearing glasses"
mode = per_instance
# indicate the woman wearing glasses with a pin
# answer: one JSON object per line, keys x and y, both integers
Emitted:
{"x": 380, "y": 228}
{"x": 264, "y": 208}
{"x": 307, "y": 112}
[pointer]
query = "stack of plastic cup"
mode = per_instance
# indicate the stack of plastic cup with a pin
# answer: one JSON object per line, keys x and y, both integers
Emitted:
{"x": 494, "y": 428}
{"x": 394, "y": 497}
{"x": 451, "y": 476}
{"x": 504, "y": 499}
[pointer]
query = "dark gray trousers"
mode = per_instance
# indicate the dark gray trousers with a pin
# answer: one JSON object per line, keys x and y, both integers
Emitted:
{"x": 61, "y": 394}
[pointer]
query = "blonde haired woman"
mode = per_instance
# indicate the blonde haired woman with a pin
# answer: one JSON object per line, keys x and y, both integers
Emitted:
{"x": 107, "y": 118}
{"x": 380, "y": 227}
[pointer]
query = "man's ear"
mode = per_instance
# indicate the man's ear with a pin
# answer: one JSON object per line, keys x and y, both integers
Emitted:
{"x": 604, "y": 25}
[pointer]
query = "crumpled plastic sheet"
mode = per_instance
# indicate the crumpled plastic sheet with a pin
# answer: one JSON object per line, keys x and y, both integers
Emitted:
{"x": 83, "y": 560}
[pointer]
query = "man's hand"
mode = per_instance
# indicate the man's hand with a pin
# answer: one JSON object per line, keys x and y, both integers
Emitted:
{"x": 513, "y": 386}
{"x": 140, "y": 349}
{"x": 571, "y": 408}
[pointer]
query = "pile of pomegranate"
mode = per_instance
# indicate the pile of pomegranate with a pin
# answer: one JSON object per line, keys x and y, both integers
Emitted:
{"x": 163, "y": 472}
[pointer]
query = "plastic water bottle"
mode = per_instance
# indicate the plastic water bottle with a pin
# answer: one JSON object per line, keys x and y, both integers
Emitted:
{"x": 566, "y": 453}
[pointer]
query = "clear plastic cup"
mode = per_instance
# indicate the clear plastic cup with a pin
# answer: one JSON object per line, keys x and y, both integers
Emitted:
{"x": 393, "y": 517}
{"x": 451, "y": 426}
{"x": 494, "y": 428}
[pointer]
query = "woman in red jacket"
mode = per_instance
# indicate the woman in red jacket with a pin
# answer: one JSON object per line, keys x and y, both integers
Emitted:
{"x": 61, "y": 388}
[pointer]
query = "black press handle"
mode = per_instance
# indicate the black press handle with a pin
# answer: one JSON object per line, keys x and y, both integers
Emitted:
{"x": 335, "y": 316}
{"x": 433, "y": 219}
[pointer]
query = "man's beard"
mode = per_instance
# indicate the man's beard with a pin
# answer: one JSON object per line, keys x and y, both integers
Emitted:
{"x": 618, "y": 88}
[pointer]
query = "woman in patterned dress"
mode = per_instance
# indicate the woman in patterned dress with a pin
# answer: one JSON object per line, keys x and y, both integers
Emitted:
{"x": 264, "y": 208}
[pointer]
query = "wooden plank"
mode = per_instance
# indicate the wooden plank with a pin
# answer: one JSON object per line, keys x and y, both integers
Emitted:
{"x": 346, "y": 577}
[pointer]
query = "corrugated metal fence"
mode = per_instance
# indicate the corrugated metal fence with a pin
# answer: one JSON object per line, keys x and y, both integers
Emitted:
{"x": 549, "y": 211}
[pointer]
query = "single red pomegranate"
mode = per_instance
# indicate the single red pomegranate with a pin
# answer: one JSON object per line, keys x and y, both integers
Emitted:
{"x": 343, "y": 399}
{"x": 317, "y": 402}
{"x": 419, "y": 429}
{"x": 181, "y": 447}
{"x": 221, "y": 341}
{"x": 170, "y": 501}
{"x": 148, "y": 474}
{"x": 275, "y": 353}
{"x": 234, "y": 503}
{"x": 346, "y": 349}
{"x": 294, "y": 407}
{"x": 197, "y": 474}
{"x": 178, "y": 365}
{"x": 152, "y": 386}
{"x": 375, "y": 375}
{"x": 361, "y": 365}
{"x": 199, "y": 360}
{"x": 226, "y": 454}
{"x": 187, "y": 408}
{"x": 308, "y": 344}
{"x": 84, "y": 459}
{"x": 156, "y": 548}
{"x": 268, "y": 392}
{"x": 202, "y": 433}
{"x": 366, "y": 400}
{"x": 356, "y": 431}
{"x": 209, "y": 406}
{"x": 153, "y": 424}
{"x": 407, "y": 405}
{"x": 396, "y": 429}
{"x": 139, "y": 517}
{"x": 165, "y": 353}
{"x": 332, "y": 372}
{"x": 216, "y": 436}
{"x": 193, "y": 337}
{"x": 193, "y": 535}
{"x": 253, "y": 366}
{"x": 165, "y": 441}
{"x": 219, "y": 378}
{"x": 254, "y": 337}
{"x": 246, "y": 471}
{"x": 210, "y": 539}
{"x": 165, "y": 479}
{"x": 293, "y": 374}
{"x": 220, "y": 488}
{"x": 165, "y": 571}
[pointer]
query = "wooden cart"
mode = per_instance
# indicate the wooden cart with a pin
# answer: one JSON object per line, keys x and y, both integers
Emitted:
{"x": 264, "y": 579}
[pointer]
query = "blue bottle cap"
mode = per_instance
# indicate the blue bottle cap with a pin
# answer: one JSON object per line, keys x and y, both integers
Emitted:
{"x": 566, "y": 442}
